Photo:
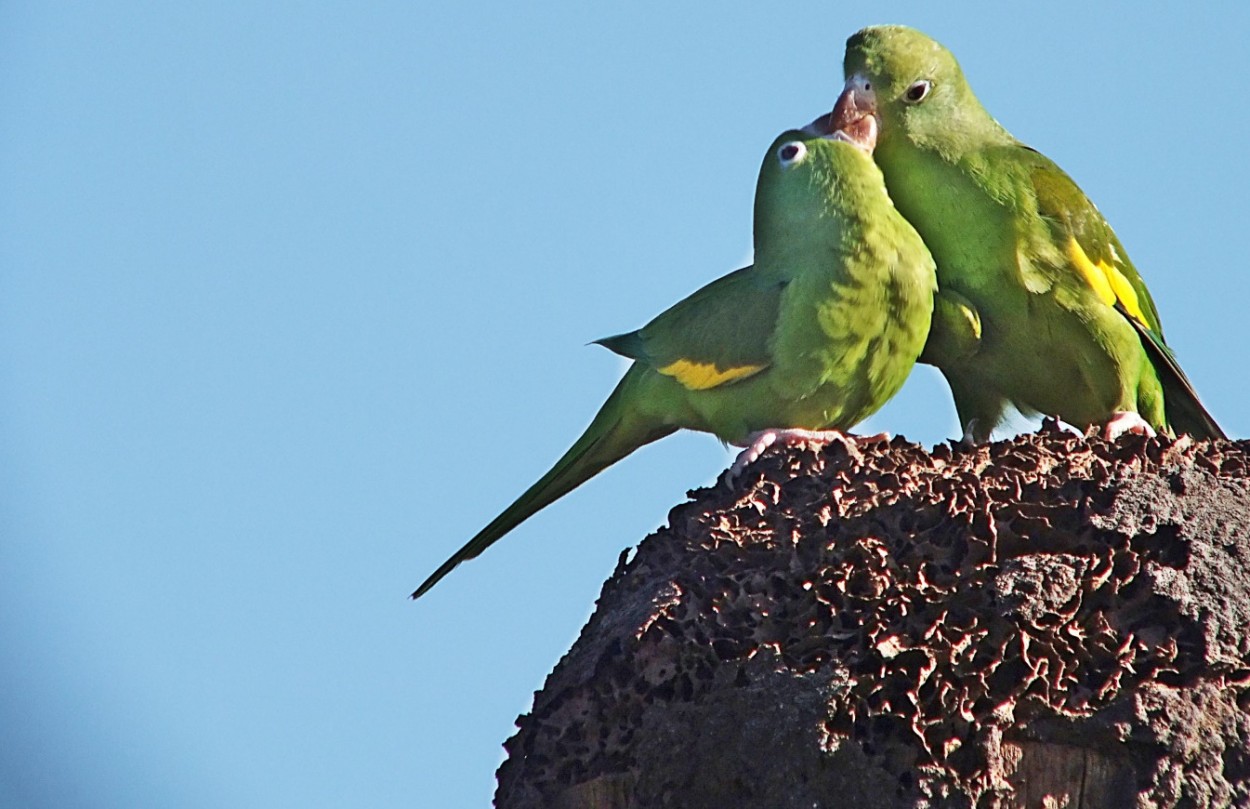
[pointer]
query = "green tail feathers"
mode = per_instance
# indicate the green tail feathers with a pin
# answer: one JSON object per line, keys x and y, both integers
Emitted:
{"x": 615, "y": 432}
{"x": 1185, "y": 413}
{"x": 627, "y": 345}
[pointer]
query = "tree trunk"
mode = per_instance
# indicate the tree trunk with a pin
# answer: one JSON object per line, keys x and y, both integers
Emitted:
{"x": 1051, "y": 621}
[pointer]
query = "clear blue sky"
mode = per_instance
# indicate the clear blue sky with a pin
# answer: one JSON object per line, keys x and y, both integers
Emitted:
{"x": 294, "y": 298}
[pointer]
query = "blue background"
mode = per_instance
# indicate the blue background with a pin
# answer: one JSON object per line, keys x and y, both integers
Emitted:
{"x": 294, "y": 298}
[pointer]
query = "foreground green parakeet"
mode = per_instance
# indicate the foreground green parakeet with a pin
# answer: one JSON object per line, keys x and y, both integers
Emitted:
{"x": 817, "y": 335}
{"x": 1039, "y": 305}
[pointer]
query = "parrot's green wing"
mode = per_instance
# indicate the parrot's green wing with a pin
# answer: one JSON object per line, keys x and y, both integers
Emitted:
{"x": 955, "y": 333}
{"x": 1083, "y": 235}
{"x": 1096, "y": 256}
{"x": 716, "y": 336}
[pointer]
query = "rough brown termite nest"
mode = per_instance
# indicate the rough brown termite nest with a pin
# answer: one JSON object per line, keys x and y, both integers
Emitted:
{"x": 1051, "y": 620}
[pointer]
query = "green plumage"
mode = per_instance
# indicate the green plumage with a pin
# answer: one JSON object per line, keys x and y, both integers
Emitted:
{"x": 818, "y": 334}
{"x": 1039, "y": 306}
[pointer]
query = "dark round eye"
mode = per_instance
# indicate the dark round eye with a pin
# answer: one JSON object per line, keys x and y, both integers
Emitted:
{"x": 918, "y": 91}
{"x": 791, "y": 152}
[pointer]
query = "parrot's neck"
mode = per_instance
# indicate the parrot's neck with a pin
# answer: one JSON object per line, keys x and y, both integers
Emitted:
{"x": 790, "y": 233}
{"x": 935, "y": 193}
{"x": 788, "y": 248}
{"x": 819, "y": 219}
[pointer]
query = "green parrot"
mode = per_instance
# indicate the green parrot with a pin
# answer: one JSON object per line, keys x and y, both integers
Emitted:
{"x": 1039, "y": 306}
{"x": 817, "y": 335}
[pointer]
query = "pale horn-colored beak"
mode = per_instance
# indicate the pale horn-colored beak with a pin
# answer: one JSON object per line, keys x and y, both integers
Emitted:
{"x": 854, "y": 116}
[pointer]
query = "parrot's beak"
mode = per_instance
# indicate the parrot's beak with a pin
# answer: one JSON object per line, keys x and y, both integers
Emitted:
{"x": 854, "y": 116}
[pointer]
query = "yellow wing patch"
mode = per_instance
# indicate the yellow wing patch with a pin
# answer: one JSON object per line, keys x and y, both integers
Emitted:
{"x": 704, "y": 375}
{"x": 1108, "y": 283}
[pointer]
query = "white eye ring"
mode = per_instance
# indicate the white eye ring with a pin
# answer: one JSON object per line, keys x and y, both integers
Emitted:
{"x": 918, "y": 91}
{"x": 791, "y": 152}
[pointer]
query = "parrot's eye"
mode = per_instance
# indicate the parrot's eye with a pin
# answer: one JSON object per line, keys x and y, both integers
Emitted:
{"x": 790, "y": 153}
{"x": 918, "y": 91}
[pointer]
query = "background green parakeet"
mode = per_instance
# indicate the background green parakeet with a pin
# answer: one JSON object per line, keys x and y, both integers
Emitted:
{"x": 817, "y": 335}
{"x": 1039, "y": 305}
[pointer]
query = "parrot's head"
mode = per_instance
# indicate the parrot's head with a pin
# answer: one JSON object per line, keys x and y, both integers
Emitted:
{"x": 808, "y": 180}
{"x": 901, "y": 85}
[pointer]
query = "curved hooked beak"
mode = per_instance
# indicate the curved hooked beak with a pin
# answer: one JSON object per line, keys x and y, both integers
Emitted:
{"x": 854, "y": 116}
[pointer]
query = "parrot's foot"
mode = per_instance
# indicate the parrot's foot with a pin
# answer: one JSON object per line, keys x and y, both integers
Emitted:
{"x": 1126, "y": 422}
{"x": 758, "y": 442}
{"x": 969, "y": 439}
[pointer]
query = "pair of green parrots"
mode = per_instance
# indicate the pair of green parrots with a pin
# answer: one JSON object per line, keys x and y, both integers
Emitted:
{"x": 907, "y": 224}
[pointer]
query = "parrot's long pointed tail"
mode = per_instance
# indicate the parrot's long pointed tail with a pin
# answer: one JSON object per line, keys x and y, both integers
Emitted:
{"x": 617, "y": 430}
{"x": 1185, "y": 413}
